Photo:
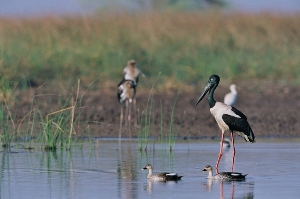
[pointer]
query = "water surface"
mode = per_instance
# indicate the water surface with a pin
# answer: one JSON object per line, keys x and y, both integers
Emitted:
{"x": 110, "y": 170}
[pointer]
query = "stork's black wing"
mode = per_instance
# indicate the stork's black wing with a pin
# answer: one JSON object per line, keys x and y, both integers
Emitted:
{"x": 240, "y": 126}
{"x": 239, "y": 113}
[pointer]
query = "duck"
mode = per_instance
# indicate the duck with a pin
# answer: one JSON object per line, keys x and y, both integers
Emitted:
{"x": 223, "y": 175}
{"x": 164, "y": 176}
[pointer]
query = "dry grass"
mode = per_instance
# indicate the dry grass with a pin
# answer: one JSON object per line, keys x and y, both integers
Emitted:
{"x": 184, "y": 47}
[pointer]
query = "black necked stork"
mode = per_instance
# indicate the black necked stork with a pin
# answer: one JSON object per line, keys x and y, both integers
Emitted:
{"x": 223, "y": 175}
{"x": 126, "y": 94}
{"x": 231, "y": 98}
{"x": 228, "y": 118}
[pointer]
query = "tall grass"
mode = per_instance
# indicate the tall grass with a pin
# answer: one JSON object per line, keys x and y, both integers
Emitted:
{"x": 172, "y": 134}
{"x": 7, "y": 120}
{"x": 185, "y": 47}
{"x": 52, "y": 130}
{"x": 63, "y": 120}
{"x": 6, "y": 136}
{"x": 145, "y": 120}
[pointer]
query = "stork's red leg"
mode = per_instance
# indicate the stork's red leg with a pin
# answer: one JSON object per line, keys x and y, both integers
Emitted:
{"x": 233, "y": 150}
{"x": 220, "y": 153}
{"x": 134, "y": 112}
{"x": 129, "y": 113}
{"x": 121, "y": 121}
{"x": 126, "y": 112}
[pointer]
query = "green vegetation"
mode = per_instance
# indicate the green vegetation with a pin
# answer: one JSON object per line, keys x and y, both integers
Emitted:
{"x": 145, "y": 119}
{"x": 184, "y": 47}
{"x": 51, "y": 130}
{"x": 172, "y": 134}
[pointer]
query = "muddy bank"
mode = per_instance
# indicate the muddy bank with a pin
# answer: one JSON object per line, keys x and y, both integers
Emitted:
{"x": 272, "y": 111}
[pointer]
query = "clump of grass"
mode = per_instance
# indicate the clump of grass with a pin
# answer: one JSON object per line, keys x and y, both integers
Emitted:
{"x": 145, "y": 121}
{"x": 57, "y": 127}
{"x": 172, "y": 134}
{"x": 6, "y": 118}
{"x": 28, "y": 136}
{"x": 144, "y": 129}
{"x": 6, "y": 137}
{"x": 53, "y": 128}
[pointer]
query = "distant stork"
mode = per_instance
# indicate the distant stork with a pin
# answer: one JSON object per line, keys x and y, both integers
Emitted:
{"x": 230, "y": 98}
{"x": 228, "y": 118}
{"x": 126, "y": 94}
{"x": 132, "y": 72}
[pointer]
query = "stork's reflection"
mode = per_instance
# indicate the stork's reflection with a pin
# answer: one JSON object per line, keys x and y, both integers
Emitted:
{"x": 230, "y": 188}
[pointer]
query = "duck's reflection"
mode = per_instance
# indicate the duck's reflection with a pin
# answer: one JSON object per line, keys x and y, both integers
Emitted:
{"x": 151, "y": 184}
{"x": 230, "y": 188}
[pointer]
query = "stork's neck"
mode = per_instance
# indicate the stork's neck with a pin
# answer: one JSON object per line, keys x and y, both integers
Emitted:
{"x": 233, "y": 91}
{"x": 211, "y": 100}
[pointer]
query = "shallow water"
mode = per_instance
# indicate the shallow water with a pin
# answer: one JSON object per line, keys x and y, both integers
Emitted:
{"x": 110, "y": 170}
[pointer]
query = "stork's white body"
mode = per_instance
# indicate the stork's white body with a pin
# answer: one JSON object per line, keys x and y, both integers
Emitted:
{"x": 218, "y": 111}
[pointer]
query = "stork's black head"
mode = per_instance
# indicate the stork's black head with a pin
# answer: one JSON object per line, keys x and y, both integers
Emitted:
{"x": 213, "y": 81}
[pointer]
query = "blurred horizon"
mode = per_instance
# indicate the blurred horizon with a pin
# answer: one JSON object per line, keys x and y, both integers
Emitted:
{"x": 31, "y": 8}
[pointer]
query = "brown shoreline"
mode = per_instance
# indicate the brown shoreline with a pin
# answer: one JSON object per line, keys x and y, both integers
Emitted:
{"x": 272, "y": 111}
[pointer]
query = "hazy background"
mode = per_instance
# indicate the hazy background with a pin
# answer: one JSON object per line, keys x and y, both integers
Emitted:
{"x": 23, "y": 8}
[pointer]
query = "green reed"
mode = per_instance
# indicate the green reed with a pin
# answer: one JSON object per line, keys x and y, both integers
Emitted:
{"x": 160, "y": 138}
{"x": 172, "y": 134}
{"x": 7, "y": 119}
{"x": 6, "y": 136}
{"x": 144, "y": 124}
{"x": 52, "y": 130}
{"x": 60, "y": 124}
{"x": 144, "y": 120}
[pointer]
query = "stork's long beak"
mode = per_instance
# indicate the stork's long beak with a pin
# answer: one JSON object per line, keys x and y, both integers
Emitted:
{"x": 143, "y": 75}
{"x": 204, "y": 170}
{"x": 206, "y": 89}
{"x": 144, "y": 168}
